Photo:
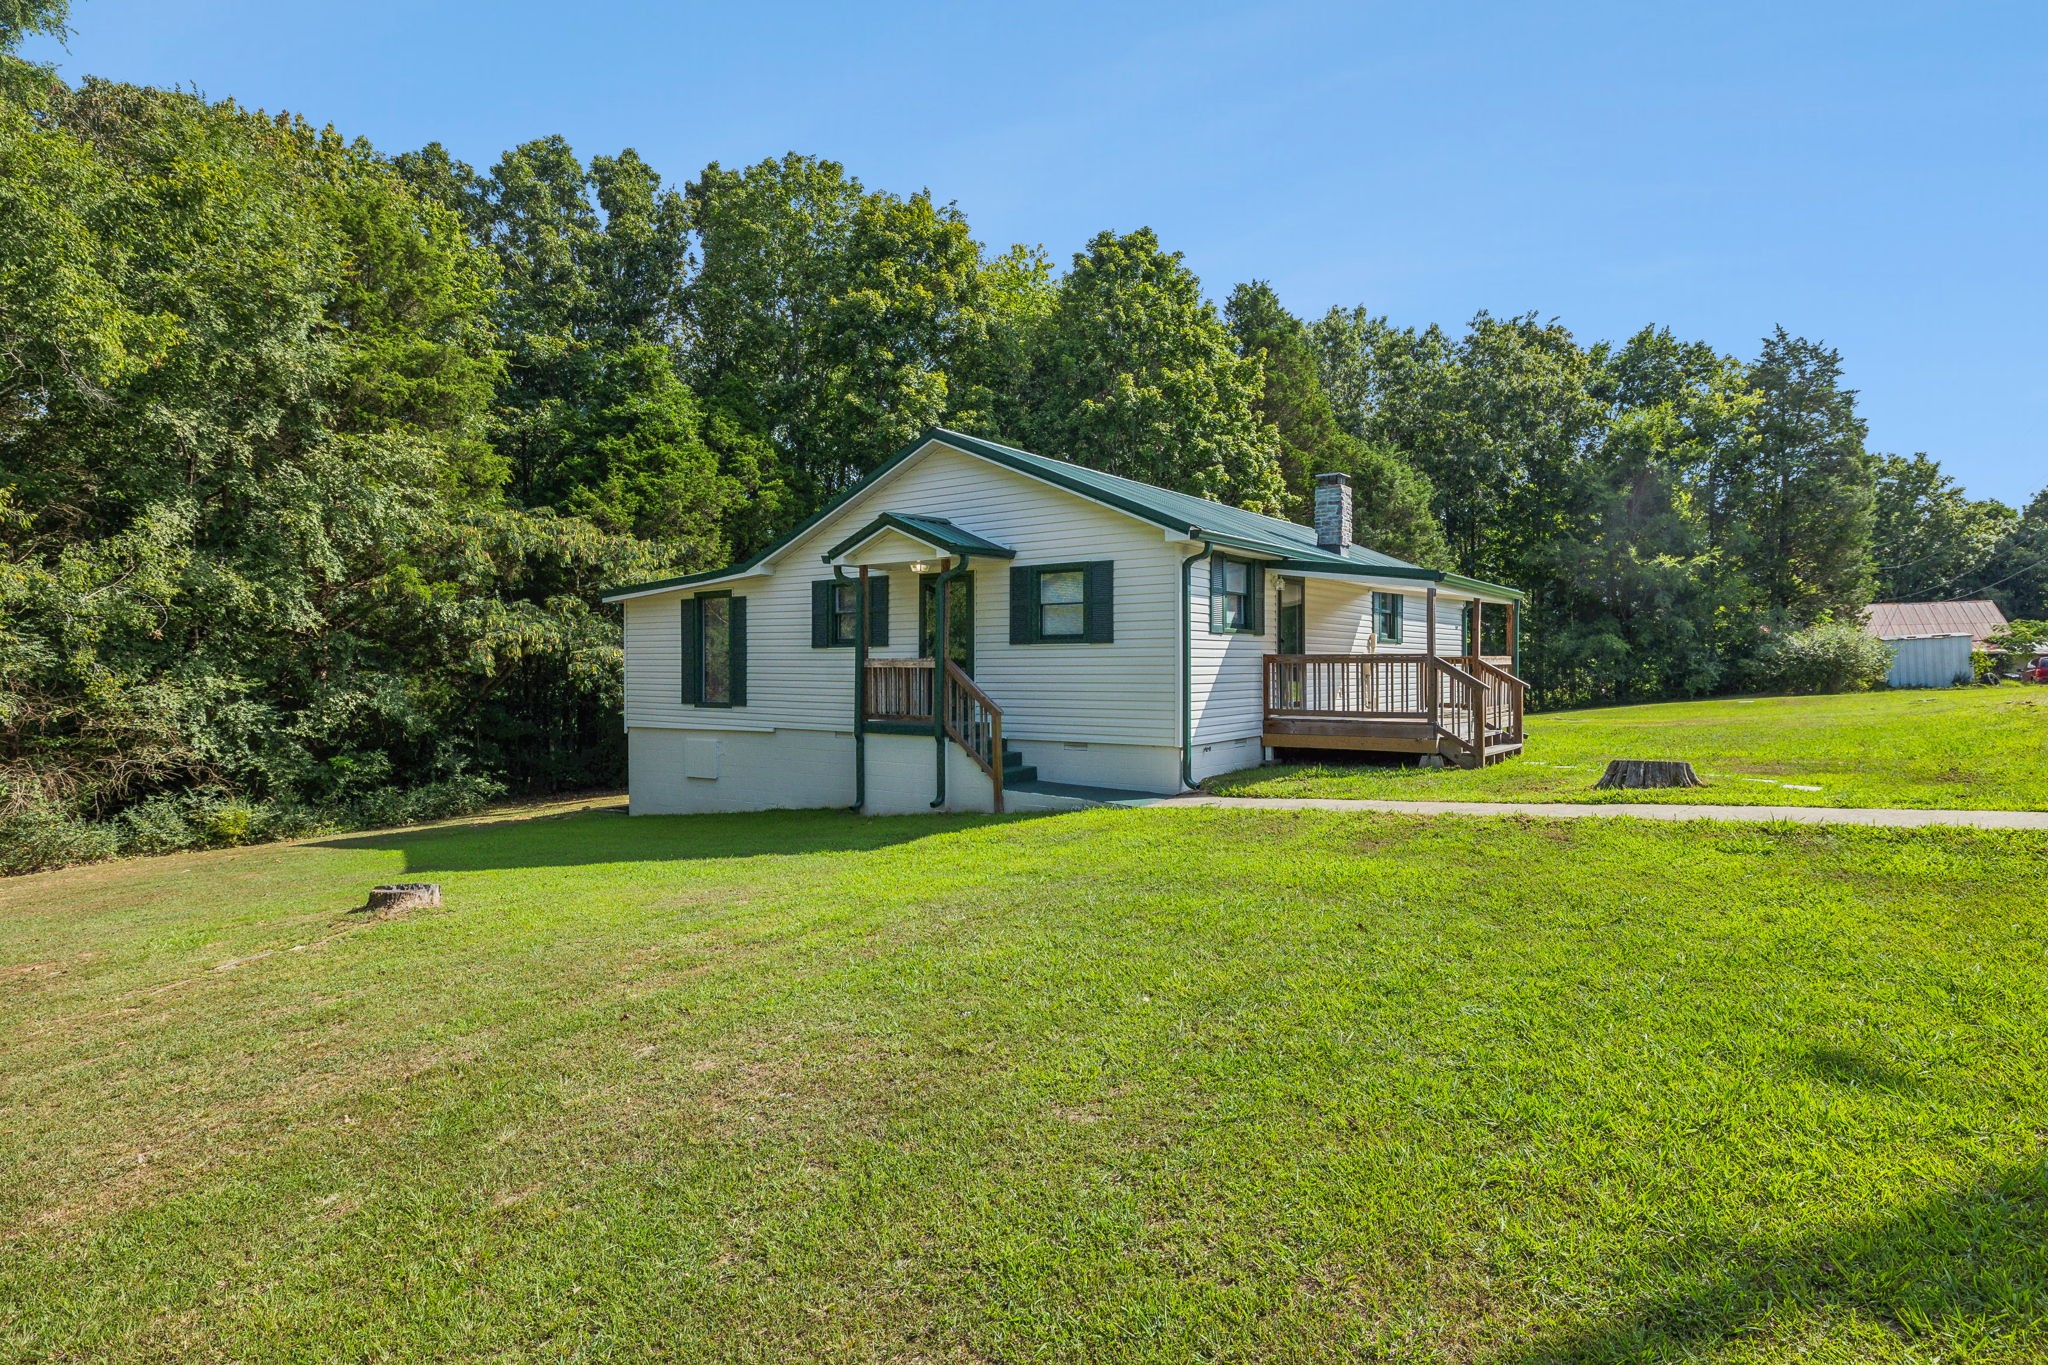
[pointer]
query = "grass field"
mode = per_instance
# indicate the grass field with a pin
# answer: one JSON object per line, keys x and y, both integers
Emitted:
{"x": 1979, "y": 748}
{"x": 1124, "y": 1085}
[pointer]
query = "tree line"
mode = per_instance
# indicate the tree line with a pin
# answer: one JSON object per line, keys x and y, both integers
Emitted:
{"x": 313, "y": 459}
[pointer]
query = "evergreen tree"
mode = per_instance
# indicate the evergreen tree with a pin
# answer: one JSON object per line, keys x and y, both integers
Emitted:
{"x": 590, "y": 416}
{"x": 1804, "y": 506}
{"x": 1390, "y": 500}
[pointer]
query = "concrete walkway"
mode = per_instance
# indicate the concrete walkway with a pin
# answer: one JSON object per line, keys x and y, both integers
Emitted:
{"x": 1805, "y": 815}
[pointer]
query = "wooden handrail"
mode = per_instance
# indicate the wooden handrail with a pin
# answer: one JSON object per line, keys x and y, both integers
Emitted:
{"x": 1462, "y": 704}
{"x": 1509, "y": 695}
{"x": 975, "y": 723}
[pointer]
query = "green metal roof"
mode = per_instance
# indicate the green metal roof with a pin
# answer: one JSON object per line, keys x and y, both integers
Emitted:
{"x": 936, "y": 532}
{"x": 1292, "y": 544}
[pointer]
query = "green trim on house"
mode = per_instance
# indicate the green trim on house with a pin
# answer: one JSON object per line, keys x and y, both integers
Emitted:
{"x": 1182, "y": 514}
{"x": 1098, "y": 603}
{"x": 1389, "y": 609}
{"x": 937, "y": 532}
{"x": 735, "y": 651}
{"x": 1252, "y": 620}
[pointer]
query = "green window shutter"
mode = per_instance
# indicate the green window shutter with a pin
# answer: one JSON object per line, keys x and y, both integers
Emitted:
{"x": 1023, "y": 606}
{"x": 821, "y": 613}
{"x": 738, "y": 653}
{"x": 1216, "y": 604}
{"x": 878, "y": 609}
{"x": 1255, "y": 598}
{"x": 693, "y": 653}
{"x": 1098, "y": 597}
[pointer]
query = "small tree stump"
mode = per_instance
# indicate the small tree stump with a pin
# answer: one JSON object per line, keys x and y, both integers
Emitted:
{"x": 1647, "y": 772}
{"x": 400, "y": 896}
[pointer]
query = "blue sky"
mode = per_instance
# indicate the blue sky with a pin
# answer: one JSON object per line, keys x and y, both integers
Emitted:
{"x": 1874, "y": 175}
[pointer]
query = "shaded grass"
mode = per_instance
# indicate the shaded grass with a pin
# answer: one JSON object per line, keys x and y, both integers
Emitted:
{"x": 1125, "y": 1085}
{"x": 1976, "y": 748}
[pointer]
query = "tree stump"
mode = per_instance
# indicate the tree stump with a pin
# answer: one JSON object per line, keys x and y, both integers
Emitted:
{"x": 1647, "y": 772}
{"x": 400, "y": 896}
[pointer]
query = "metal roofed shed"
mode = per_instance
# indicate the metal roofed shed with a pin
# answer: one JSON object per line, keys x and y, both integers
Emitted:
{"x": 1978, "y": 619}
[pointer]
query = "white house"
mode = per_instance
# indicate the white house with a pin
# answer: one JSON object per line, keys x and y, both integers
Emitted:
{"x": 1104, "y": 639}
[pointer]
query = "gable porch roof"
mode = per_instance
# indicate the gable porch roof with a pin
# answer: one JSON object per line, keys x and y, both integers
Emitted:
{"x": 936, "y": 532}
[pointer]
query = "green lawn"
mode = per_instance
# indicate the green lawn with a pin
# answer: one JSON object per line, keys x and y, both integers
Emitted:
{"x": 1126, "y": 1085}
{"x": 1980, "y": 748}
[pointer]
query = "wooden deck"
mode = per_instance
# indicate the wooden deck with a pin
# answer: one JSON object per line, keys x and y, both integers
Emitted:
{"x": 1467, "y": 708}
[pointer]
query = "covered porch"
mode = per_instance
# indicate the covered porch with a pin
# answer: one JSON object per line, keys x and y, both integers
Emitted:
{"x": 1464, "y": 705}
{"x": 932, "y": 692}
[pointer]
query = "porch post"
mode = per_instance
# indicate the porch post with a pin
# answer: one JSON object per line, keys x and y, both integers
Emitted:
{"x": 1430, "y": 685}
{"x": 1514, "y": 640}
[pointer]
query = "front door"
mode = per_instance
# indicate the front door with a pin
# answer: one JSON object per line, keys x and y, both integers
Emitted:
{"x": 959, "y": 619}
{"x": 1289, "y": 618}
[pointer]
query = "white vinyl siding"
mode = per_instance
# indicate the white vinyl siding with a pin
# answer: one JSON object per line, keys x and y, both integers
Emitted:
{"x": 1228, "y": 673}
{"x": 1124, "y": 692}
{"x": 1339, "y": 618}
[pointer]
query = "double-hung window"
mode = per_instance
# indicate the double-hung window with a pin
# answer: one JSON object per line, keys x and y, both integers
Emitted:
{"x": 1387, "y": 615}
{"x": 835, "y": 612}
{"x": 1062, "y": 604}
{"x": 1237, "y": 590}
{"x": 1055, "y": 603}
{"x": 845, "y": 613}
{"x": 714, "y": 653}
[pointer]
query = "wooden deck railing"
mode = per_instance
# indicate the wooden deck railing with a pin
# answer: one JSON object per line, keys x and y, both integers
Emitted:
{"x": 1346, "y": 685}
{"x": 1470, "y": 699}
{"x": 899, "y": 690}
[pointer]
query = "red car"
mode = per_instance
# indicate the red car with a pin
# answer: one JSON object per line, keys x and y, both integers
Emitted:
{"x": 2036, "y": 671}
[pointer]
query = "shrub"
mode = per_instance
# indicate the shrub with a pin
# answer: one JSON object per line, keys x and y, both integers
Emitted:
{"x": 2018, "y": 641}
{"x": 158, "y": 825}
{"x": 1821, "y": 658}
{"x": 43, "y": 836}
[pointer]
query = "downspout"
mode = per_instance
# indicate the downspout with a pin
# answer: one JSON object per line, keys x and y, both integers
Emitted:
{"x": 860, "y": 686}
{"x": 1187, "y": 669}
{"x": 939, "y": 614}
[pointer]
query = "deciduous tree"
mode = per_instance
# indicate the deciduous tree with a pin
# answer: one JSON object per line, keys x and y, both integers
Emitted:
{"x": 1136, "y": 374}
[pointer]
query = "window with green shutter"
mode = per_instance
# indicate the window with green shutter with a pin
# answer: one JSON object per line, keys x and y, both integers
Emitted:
{"x": 1388, "y": 611}
{"x": 835, "y": 612}
{"x": 1237, "y": 596}
{"x": 1063, "y": 603}
{"x": 714, "y": 650}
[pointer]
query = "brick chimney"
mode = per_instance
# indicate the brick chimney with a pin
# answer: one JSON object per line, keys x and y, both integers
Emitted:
{"x": 1333, "y": 512}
